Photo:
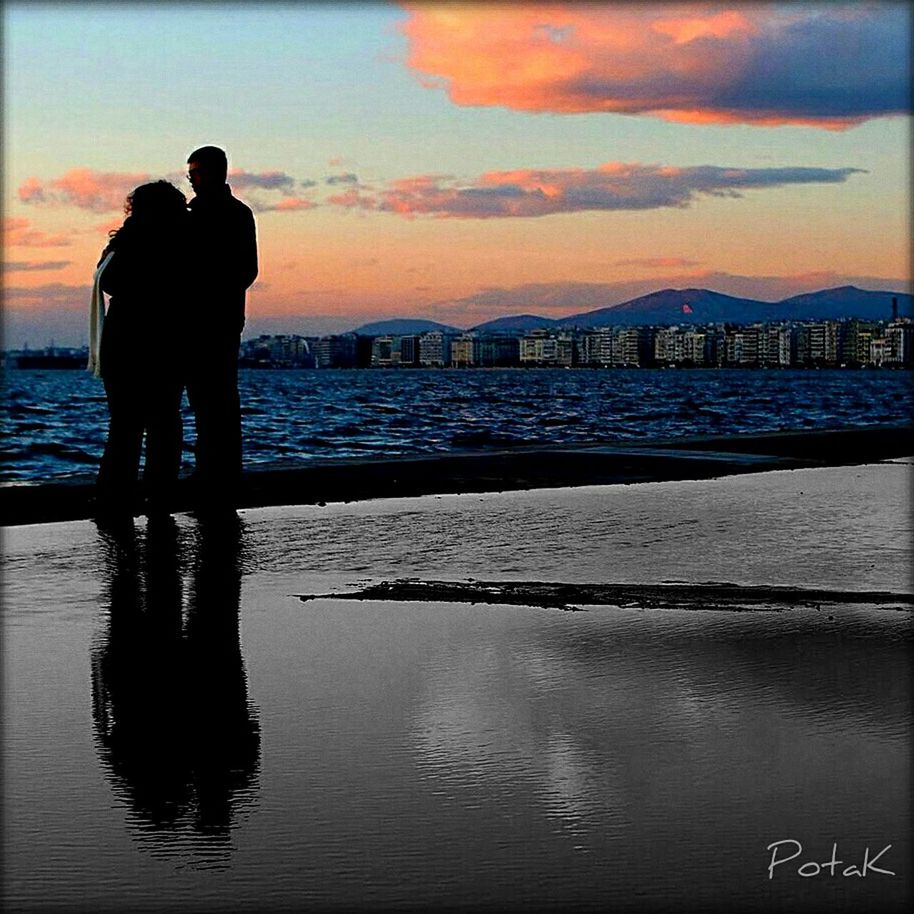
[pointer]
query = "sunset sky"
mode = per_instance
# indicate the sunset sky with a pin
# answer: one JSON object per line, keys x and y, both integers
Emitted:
{"x": 463, "y": 162}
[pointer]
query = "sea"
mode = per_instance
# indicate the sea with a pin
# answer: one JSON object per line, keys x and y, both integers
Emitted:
{"x": 182, "y": 732}
{"x": 55, "y": 421}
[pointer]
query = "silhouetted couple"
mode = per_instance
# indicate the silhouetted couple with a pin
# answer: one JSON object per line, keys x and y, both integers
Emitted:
{"x": 176, "y": 274}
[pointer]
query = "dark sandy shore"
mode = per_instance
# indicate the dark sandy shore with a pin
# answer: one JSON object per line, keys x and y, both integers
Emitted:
{"x": 323, "y": 481}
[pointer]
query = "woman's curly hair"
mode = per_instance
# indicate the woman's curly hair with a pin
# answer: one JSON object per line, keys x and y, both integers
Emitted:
{"x": 150, "y": 205}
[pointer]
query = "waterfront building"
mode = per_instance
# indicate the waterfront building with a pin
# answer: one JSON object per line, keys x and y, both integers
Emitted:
{"x": 802, "y": 345}
{"x": 583, "y": 343}
{"x": 823, "y": 342}
{"x": 695, "y": 347}
{"x": 565, "y": 355}
{"x": 409, "y": 350}
{"x": 786, "y": 345}
{"x": 434, "y": 349}
{"x": 277, "y": 351}
{"x": 539, "y": 348}
{"x": 337, "y": 351}
{"x": 879, "y": 349}
{"x": 498, "y": 351}
{"x": 769, "y": 345}
{"x": 631, "y": 346}
{"x": 743, "y": 345}
{"x": 899, "y": 337}
{"x": 597, "y": 347}
{"x": 665, "y": 345}
{"x": 854, "y": 342}
{"x": 385, "y": 352}
{"x": 465, "y": 351}
{"x": 717, "y": 346}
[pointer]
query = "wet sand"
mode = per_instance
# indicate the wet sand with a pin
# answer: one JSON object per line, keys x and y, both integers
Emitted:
{"x": 183, "y": 732}
{"x": 324, "y": 481}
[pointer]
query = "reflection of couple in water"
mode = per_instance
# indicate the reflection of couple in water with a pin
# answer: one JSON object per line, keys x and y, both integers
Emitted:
{"x": 186, "y": 266}
{"x": 176, "y": 732}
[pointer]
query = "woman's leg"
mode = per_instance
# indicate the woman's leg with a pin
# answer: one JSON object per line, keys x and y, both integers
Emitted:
{"x": 117, "y": 474}
{"x": 164, "y": 441}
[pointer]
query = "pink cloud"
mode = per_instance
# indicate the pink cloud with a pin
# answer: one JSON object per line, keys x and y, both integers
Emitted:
{"x": 102, "y": 192}
{"x": 53, "y": 296}
{"x": 823, "y": 65}
{"x": 31, "y": 191}
{"x": 290, "y": 204}
{"x": 353, "y": 198}
{"x": 285, "y": 205}
{"x": 542, "y": 192}
{"x": 25, "y": 266}
{"x": 18, "y": 233}
{"x": 653, "y": 263}
{"x": 98, "y": 191}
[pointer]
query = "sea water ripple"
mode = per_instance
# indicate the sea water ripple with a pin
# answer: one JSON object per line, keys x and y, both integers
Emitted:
{"x": 55, "y": 422}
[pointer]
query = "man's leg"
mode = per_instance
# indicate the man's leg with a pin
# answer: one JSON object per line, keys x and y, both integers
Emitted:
{"x": 212, "y": 389}
{"x": 164, "y": 435}
{"x": 120, "y": 462}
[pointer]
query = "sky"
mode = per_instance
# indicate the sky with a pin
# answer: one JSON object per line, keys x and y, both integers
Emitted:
{"x": 462, "y": 162}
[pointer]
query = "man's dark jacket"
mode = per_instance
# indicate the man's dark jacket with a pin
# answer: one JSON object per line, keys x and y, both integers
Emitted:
{"x": 223, "y": 259}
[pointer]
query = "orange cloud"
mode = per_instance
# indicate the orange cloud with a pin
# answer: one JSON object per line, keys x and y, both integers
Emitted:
{"x": 287, "y": 205}
{"x": 352, "y": 198}
{"x": 25, "y": 266}
{"x": 17, "y": 233}
{"x": 541, "y": 192}
{"x": 822, "y": 65}
{"x": 103, "y": 192}
{"x": 85, "y": 188}
{"x": 653, "y": 263}
{"x": 53, "y": 296}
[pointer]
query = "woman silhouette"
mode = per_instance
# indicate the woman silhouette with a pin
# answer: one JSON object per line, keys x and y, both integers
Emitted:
{"x": 144, "y": 275}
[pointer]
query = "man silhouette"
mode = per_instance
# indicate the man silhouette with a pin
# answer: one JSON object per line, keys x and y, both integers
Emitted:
{"x": 223, "y": 261}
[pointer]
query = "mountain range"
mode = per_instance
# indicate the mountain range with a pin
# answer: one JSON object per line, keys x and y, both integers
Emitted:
{"x": 688, "y": 306}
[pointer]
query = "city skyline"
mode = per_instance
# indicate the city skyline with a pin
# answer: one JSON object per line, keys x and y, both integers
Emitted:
{"x": 447, "y": 161}
{"x": 787, "y": 342}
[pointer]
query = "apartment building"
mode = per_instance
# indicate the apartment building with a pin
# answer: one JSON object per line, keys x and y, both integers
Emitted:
{"x": 434, "y": 349}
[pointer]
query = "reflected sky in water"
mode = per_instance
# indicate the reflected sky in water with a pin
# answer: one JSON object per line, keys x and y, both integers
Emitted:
{"x": 182, "y": 733}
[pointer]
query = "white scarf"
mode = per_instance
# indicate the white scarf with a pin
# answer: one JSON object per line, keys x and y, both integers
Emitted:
{"x": 97, "y": 318}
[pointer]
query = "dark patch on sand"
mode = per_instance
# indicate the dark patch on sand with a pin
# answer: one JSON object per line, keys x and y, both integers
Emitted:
{"x": 674, "y": 595}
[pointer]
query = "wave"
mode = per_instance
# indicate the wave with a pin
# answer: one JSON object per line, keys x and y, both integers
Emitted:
{"x": 299, "y": 415}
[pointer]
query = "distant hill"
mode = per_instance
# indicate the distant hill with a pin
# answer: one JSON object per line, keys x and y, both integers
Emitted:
{"x": 403, "y": 327}
{"x": 519, "y": 322}
{"x": 846, "y": 301}
{"x": 697, "y": 306}
{"x": 686, "y": 306}
{"x": 700, "y": 306}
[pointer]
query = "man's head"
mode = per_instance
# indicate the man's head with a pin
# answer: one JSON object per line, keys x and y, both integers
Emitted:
{"x": 207, "y": 169}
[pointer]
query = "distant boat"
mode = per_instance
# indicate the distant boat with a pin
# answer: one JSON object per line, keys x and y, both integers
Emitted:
{"x": 44, "y": 360}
